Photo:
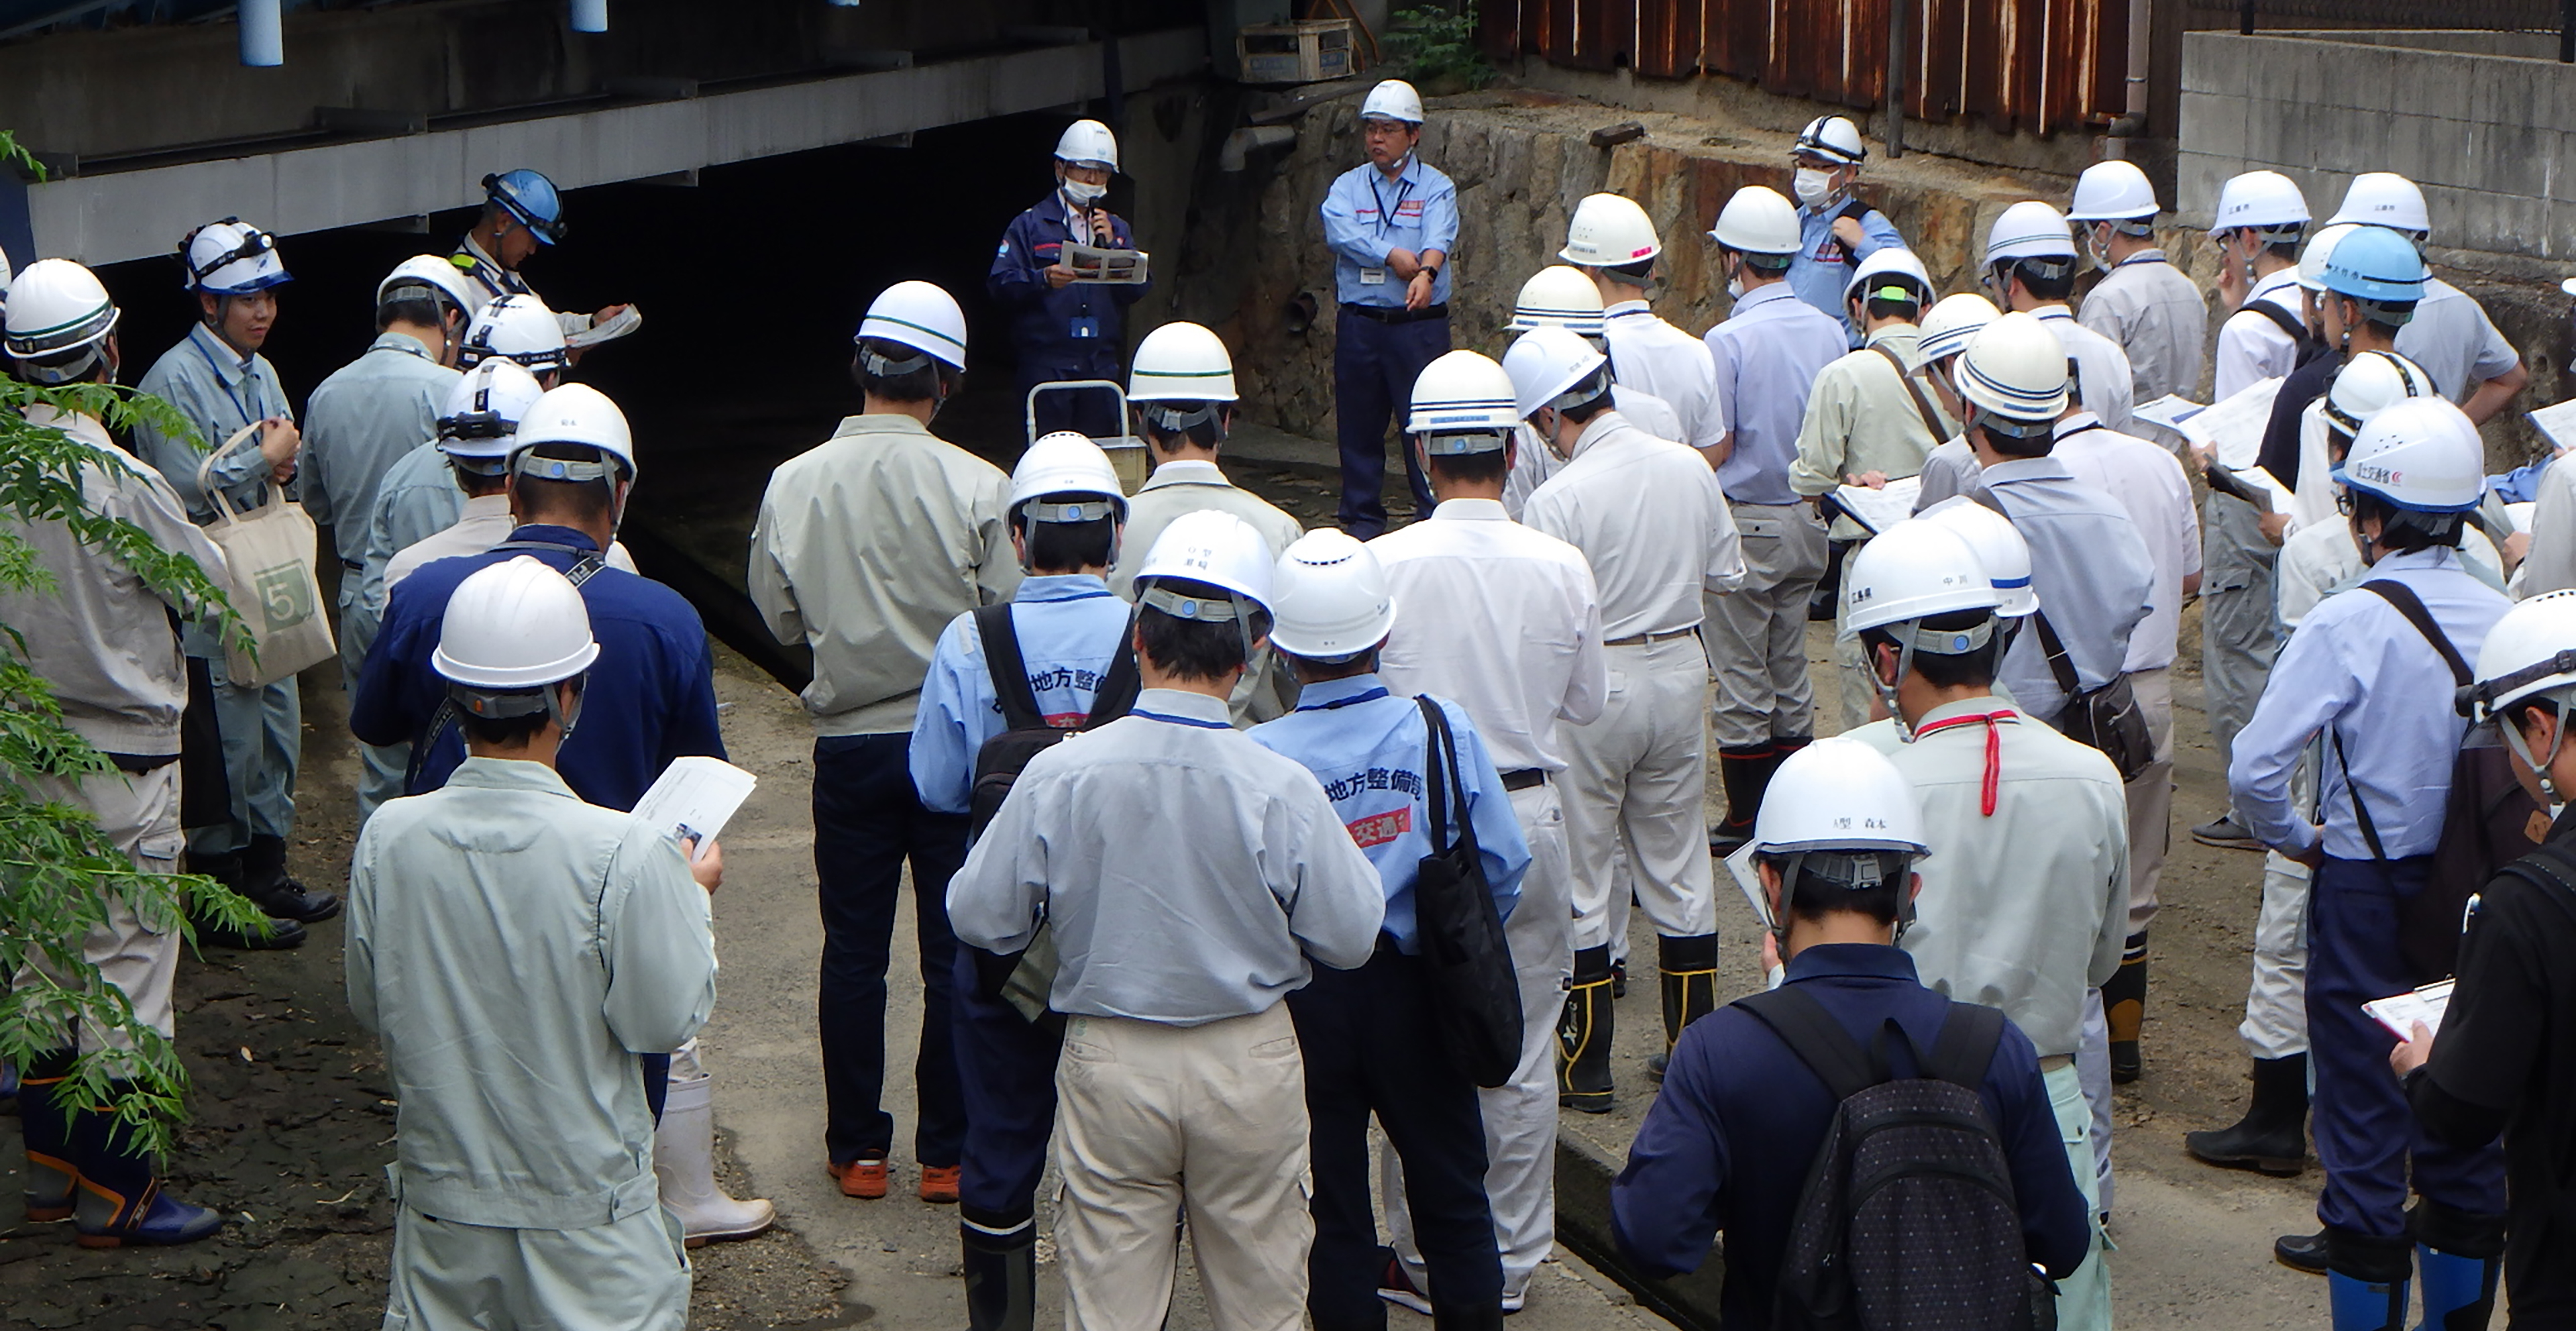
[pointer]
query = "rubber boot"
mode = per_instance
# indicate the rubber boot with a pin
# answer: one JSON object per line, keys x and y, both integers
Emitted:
{"x": 1741, "y": 771}
{"x": 1001, "y": 1278}
{"x": 46, "y": 1126}
{"x": 265, "y": 882}
{"x": 226, "y": 868}
{"x": 2124, "y": 1005}
{"x": 1583, "y": 1035}
{"x": 2459, "y": 1256}
{"x": 1688, "y": 966}
{"x": 684, "y": 1161}
{"x": 2272, "y": 1138}
{"x": 120, "y": 1201}
{"x": 2366, "y": 1281}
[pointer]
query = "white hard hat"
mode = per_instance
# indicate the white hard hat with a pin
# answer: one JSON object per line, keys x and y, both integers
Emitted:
{"x": 2014, "y": 367}
{"x": 428, "y": 270}
{"x": 1331, "y": 599}
{"x": 231, "y": 258}
{"x": 2531, "y": 650}
{"x": 1394, "y": 99}
{"x": 1835, "y": 138}
{"x": 2384, "y": 198}
{"x": 2113, "y": 191}
{"x": 1890, "y": 266}
{"x": 1912, "y": 570}
{"x": 1758, "y": 219}
{"x": 1181, "y": 362}
{"x": 1999, "y": 546}
{"x": 1560, "y": 297}
{"x": 1951, "y": 321}
{"x": 2262, "y": 200}
{"x": 1464, "y": 403}
{"x": 483, "y": 411}
{"x": 1545, "y": 364}
{"x": 57, "y": 308}
{"x": 1066, "y": 463}
{"x": 514, "y": 625}
{"x": 1609, "y": 231}
{"x": 2370, "y": 383}
{"x": 573, "y": 414}
{"x": 1213, "y": 548}
{"x": 517, "y": 327}
{"x": 2319, "y": 252}
{"x": 918, "y": 315}
{"x": 1838, "y": 794}
{"x": 2421, "y": 455}
{"x": 1088, "y": 142}
{"x": 2029, "y": 230}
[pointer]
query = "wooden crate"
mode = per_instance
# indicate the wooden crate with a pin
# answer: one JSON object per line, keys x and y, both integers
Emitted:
{"x": 1303, "y": 52}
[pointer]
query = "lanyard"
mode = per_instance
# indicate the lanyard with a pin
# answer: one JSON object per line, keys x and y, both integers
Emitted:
{"x": 1178, "y": 720}
{"x": 1385, "y": 218}
{"x": 247, "y": 415}
{"x": 1994, "y": 747}
{"x": 1370, "y": 695}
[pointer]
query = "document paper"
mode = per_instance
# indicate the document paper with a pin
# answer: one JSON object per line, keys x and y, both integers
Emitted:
{"x": 695, "y": 796}
{"x": 2400, "y": 1012}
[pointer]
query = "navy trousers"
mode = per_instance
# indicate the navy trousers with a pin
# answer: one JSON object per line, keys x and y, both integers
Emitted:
{"x": 1371, "y": 1045}
{"x": 1006, "y": 1069}
{"x": 1374, "y": 366}
{"x": 2367, "y": 1136}
{"x": 868, "y": 824}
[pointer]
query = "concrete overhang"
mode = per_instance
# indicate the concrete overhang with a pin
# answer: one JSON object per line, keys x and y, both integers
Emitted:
{"x": 138, "y": 212}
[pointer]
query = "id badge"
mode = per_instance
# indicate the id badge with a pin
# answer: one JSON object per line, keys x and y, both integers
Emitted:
{"x": 1085, "y": 326}
{"x": 1372, "y": 277}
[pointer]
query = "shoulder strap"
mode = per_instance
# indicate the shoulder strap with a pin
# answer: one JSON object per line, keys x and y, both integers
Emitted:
{"x": 2545, "y": 866}
{"x": 2068, "y": 682}
{"x": 2408, "y": 604}
{"x": 1931, "y": 418}
{"x": 2360, "y": 809}
{"x": 1815, "y": 1037}
{"x": 1440, "y": 774}
{"x": 1118, "y": 688}
{"x": 1966, "y": 1047}
{"x": 2288, "y": 323}
{"x": 586, "y": 564}
{"x": 1009, "y": 672}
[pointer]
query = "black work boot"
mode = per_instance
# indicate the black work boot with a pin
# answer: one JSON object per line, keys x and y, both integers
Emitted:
{"x": 2272, "y": 1137}
{"x": 1001, "y": 1277}
{"x": 1688, "y": 967}
{"x": 265, "y": 882}
{"x": 2124, "y": 1006}
{"x": 226, "y": 868}
{"x": 1583, "y": 1035}
{"x": 1741, "y": 772}
{"x": 45, "y": 1126}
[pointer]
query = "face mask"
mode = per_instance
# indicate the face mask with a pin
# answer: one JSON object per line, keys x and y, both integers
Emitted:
{"x": 1735, "y": 280}
{"x": 1812, "y": 185}
{"x": 2099, "y": 248}
{"x": 1083, "y": 195}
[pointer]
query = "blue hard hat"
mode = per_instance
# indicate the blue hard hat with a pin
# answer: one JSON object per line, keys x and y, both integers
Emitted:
{"x": 530, "y": 197}
{"x": 2374, "y": 263}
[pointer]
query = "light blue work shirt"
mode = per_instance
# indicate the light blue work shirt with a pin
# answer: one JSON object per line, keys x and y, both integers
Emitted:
{"x": 2355, "y": 670}
{"x": 1366, "y": 215}
{"x": 2091, "y": 568}
{"x": 358, "y": 424}
{"x": 1823, "y": 265}
{"x": 1070, "y": 629}
{"x": 416, "y": 498}
{"x": 1768, "y": 352}
{"x": 217, "y": 391}
{"x": 1366, "y": 745}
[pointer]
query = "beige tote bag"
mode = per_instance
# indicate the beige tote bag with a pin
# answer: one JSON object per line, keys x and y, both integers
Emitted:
{"x": 268, "y": 573}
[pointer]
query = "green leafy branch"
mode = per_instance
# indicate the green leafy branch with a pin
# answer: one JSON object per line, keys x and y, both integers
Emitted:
{"x": 1437, "y": 47}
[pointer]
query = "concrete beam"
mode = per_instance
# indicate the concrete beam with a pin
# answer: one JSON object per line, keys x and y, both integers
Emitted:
{"x": 132, "y": 214}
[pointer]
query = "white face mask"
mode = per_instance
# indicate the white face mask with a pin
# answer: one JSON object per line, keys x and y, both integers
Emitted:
{"x": 1735, "y": 280}
{"x": 1811, "y": 185}
{"x": 1083, "y": 195}
{"x": 2097, "y": 245}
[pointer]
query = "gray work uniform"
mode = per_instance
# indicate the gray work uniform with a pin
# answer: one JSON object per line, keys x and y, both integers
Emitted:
{"x": 2091, "y": 570}
{"x": 2454, "y": 341}
{"x": 1266, "y": 690}
{"x": 218, "y": 391}
{"x": 358, "y": 424}
{"x": 415, "y": 499}
{"x": 2157, "y": 317}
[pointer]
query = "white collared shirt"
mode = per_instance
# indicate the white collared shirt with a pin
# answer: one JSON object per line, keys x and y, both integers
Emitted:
{"x": 1649, "y": 518}
{"x": 2252, "y": 348}
{"x": 2101, "y": 368}
{"x": 2149, "y": 483}
{"x": 1673, "y": 365}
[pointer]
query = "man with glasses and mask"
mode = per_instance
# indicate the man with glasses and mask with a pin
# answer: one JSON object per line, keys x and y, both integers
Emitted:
{"x": 1836, "y": 231}
{"x": 1061, "y": 326}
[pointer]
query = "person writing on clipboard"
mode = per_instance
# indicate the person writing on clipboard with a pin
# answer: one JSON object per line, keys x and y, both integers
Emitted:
{"x": 1063, "y": 327}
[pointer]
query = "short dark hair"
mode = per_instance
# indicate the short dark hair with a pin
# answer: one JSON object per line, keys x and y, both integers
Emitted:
{"x": 1940, "y": 669}
{"x": 2372, "y": 311}
{"x": 1206, "y": 434}
{"x": 1192, "y": 649}
{"x": 2013, "y": 446}
{"x": 1769, "y": 263}
{"x": 511, "y": 730}
{"x": 1882, "y": 308}
{"x": 2043, "y": 284}
{"x": 1636, "y": 272}
{"x": 929, "y": 383}
{"x": 474, "y": 483}
{"x": 1811, "y": 897}
{"x": 2404, "y": 530}
{"x": 1311, "y": 670}
{"x": 411, "y": 303}
{"x": 1067, "y": 547}
{"x": 1471, "y": 468}
{"x": 580, "y": 501}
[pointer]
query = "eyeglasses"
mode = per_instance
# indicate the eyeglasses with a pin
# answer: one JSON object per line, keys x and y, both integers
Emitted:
{"x": 2343, "y": 502}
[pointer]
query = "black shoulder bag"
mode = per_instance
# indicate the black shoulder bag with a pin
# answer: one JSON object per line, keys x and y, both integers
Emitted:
{"x": 1475, "y": 993}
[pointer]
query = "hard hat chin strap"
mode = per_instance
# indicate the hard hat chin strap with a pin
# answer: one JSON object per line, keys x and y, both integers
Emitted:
{"x": 503, "y": 704}
{"x": 2565, "y": 697}
{"x": 1173, "y": 421}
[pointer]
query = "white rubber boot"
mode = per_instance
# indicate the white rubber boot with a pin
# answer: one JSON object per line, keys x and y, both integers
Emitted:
{"x": 684, "y": 1161}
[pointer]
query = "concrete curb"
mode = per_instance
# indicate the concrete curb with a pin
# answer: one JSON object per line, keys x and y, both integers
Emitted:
{"x": 1583, "y": 1174}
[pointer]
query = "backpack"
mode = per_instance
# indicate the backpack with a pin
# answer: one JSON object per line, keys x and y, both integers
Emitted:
{"x": 1908, "y": 1218}
{"x": 1026, "y": 978}
{"x": 2307, "y": 346}
{"x": 2488, "y": 819}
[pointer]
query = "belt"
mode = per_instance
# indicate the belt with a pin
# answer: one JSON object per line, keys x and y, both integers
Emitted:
{"x": 1641, "y": 639}
{"x": 139, "y": 763}
{"x": 1397, "y": 314}
{"x": 354, "y": 565}
{"x": 2053, "y": 1062}
{"x": 1523, "y": 778}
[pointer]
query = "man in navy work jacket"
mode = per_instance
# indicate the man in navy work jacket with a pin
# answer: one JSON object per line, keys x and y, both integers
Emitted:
{"x": 1728, "y": 1144}
{"x": 1060, "y": 328}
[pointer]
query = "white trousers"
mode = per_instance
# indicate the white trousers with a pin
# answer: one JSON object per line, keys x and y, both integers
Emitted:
{"x": 1637, "y": 780}
{"x": 139, "y": 812}
{"x": 1520, "y": 1115}
{"x": 1151, "y": 1118}
{"x": 2084, "y": 1298}
{"x": 626, "y": 1275}
{"x": 2093, "y": 1069}
{"x": 2276, "y": 1005}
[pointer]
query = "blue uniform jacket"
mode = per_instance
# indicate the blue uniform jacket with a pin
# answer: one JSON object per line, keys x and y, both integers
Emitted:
{"x": 651, "y": 696}
{"x": 1366, "y": 746}
{"x": 1728, "y": 1143}
{"x": 1823, "y": 264}
{"x": 1365, "y": 215}
{"x": 1074, "y": 331}
{"x": 1070, "y": 628}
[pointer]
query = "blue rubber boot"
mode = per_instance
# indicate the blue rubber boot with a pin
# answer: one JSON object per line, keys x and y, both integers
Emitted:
{"x": 2362, "y": 1305}
{"x": 2459, "y": 1292}
{"x": 120, "y": 1200}
{"x": 47, "y": 1130}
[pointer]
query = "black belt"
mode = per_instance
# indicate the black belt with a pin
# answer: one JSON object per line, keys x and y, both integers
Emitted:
{"x": 139, "y": 763}
{"x": 1397, "y": 314}
{"x": 354, "y": 565}
{"x": 1641, "y": 639}
{"x": 1523, "y": 778}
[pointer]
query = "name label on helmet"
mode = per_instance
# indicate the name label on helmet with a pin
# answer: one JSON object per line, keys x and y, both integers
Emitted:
{"x": 2372, "y": 471}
